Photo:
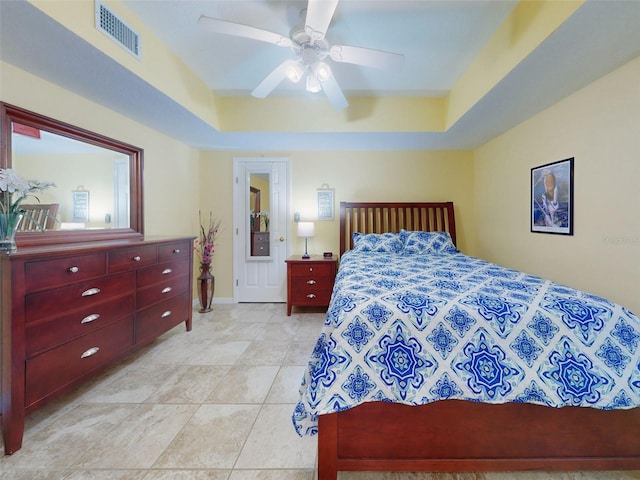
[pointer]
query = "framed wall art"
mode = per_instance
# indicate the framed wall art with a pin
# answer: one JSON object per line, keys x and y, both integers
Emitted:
{"x": 552, "y": 198}
{"x": 325, "y": 203}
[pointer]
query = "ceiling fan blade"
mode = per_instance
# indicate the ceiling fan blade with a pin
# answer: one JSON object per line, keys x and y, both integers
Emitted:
{"x": 239, "y": 30}
{"x": 334, "y": 93}
{"x": 319, "y": 14}
{"x": 366, "y": 56}
{"x": 272, "y": 80}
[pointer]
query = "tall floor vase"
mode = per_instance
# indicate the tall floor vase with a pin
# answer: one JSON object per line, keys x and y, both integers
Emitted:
{"x": 206, "y": 287}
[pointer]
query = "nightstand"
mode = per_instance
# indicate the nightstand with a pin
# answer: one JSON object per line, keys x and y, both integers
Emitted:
{"x": 310, "y": 281}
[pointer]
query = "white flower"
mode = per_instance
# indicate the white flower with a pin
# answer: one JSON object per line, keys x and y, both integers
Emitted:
{"x": 15, "y": 188}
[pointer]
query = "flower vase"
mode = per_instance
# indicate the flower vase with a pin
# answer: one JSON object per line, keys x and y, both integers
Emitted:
{"x": 8, "y": 227}
{"x": 206, "y": 287}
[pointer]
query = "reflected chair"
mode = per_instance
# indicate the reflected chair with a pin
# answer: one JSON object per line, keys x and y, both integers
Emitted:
{"x": 37, "y": 217}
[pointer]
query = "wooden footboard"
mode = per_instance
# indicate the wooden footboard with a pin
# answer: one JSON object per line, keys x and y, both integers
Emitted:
{"x": 456, "y": 436}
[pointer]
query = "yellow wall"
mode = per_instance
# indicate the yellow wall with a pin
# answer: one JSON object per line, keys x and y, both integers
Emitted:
{"x": 355, "y": 176}
{"x": 171, "y": 180}
{"x": 599, "y": 126}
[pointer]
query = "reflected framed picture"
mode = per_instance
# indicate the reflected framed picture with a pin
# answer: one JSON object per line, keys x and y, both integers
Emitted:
{"x": 80, "y": 199}
{"x": 552, "y": 198}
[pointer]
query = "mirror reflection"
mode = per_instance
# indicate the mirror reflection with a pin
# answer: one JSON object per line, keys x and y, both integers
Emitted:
{"x": 92, "y": 183}
{"x": 259, "y": 198}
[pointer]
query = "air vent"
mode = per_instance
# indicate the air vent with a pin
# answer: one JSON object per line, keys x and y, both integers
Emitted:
{"x": 118, "y": 30}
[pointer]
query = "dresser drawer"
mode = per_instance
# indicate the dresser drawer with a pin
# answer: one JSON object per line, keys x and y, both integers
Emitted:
{"x": 173, "y": 251}
{"x": 49, "y": 304}
{"x": 157, "y": 319}
{"x": 312, "y": 270}
{"x": 158, "y": 292}
{"x": 131, "y": 258}
{"x": 53, "y": 370}
{"x": 160, "y": 273}
{"x": 68, "y": 325}
{"x": 62, "y": 271}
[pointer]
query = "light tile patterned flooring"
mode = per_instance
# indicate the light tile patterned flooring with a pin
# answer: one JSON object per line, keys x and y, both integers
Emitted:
{"x": 214, "y": 403}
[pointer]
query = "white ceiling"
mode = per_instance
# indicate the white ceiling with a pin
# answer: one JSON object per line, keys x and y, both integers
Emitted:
{"x": 438, "y": 38}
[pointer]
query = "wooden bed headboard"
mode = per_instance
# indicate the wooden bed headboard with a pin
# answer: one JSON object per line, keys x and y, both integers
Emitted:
{"x": 381, "y": 217}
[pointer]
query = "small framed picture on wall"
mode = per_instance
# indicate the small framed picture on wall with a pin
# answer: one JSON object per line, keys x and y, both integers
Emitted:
{"x": 552, "y": 198}
{"x": 325, "y": 203}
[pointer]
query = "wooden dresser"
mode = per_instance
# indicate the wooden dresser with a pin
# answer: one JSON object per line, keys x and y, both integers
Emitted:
{"x": 70, "y": 311}
{"x": 310, "y": 281}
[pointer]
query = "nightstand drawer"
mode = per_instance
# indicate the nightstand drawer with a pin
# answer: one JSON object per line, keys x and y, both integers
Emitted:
{"x": 307, "y": 295}
{"x": 312, "y": 269}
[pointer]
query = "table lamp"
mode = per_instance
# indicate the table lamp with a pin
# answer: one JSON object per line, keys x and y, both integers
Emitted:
{"x": 306, "y": 230}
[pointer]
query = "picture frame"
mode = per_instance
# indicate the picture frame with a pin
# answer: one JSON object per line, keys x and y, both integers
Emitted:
{"x": 325, "y": 203}
{"x": 552, "y": 198}
{"x": 80, "y": 202}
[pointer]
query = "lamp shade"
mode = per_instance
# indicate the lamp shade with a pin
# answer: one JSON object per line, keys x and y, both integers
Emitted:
{"x": 306, "y": 229}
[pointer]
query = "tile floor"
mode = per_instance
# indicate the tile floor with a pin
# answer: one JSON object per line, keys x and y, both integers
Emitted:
{"x": 214, "y": 403}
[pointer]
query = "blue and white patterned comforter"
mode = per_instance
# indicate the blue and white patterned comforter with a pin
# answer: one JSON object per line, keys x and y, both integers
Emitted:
{"x": 419, "y": 328}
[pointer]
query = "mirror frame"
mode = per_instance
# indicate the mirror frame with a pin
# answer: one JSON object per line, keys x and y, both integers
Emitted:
{"x": 11, "y": 113}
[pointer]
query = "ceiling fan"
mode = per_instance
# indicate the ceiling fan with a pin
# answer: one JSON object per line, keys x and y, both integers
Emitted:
{"x": 311, "y": 49}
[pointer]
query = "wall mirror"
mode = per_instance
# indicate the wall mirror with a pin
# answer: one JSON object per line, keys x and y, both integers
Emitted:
{"x": 98, "y": 193}
{"x": 259, "y": 200}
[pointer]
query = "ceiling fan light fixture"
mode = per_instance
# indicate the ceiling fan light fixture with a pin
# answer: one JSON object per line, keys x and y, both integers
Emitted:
{"x": 294, "y": 72}
{"x": 322, "y": 71}
{"x": 313, "y": 85}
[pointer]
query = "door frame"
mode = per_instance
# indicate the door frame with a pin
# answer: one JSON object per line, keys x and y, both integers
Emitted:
{"x": 239, "y": 242}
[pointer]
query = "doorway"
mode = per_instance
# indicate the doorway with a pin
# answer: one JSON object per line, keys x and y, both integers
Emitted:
{"x": 261, "y": 226}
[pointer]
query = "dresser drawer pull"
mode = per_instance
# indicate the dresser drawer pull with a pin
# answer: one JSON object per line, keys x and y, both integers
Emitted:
{"x": 91, "y": 291}
{"x": 177, "y": 250}
{"x": 137, "y": 258}
{"x": 166, "y": 271}
{"x": 90, "y": 352}
{"x": 90, "y": 318}
{"x": 166, "y": 314}
{"x": 166, "y": 289}
{"x": 73, "y": 269}
{"x": 311, "y": 295}
{"x": 311, "y": 282}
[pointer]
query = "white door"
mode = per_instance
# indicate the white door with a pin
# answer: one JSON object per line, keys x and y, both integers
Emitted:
{"x": 121, "y": 208}
{"x": 261, "y": 244}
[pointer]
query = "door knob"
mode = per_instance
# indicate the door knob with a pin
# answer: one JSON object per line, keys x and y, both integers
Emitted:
{"x": 281, "y": 239}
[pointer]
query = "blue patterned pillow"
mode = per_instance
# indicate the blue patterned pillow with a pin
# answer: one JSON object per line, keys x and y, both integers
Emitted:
{"x": 377, "y": 242}
{"x": 416, "y": 242}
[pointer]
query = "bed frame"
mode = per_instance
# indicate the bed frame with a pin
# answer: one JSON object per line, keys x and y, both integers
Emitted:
{"x": 455, "y": 435}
